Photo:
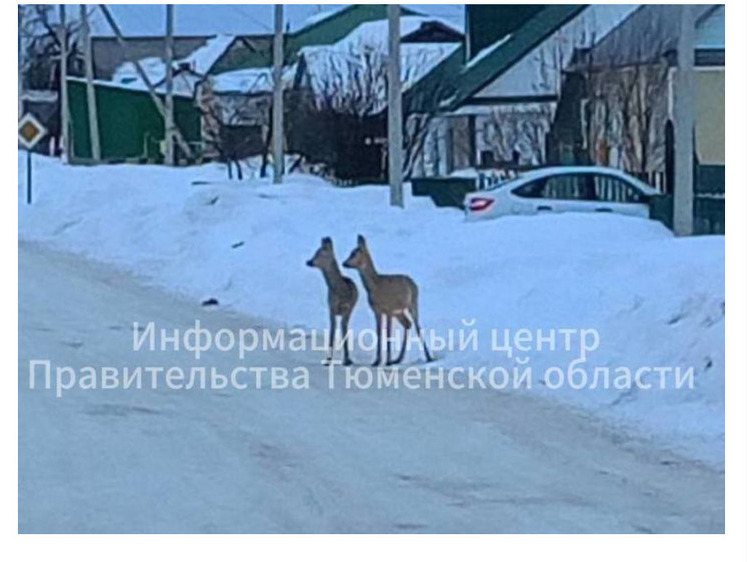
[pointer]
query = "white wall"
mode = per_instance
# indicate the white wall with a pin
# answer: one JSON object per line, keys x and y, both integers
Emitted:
{"x": 538, "y": 73}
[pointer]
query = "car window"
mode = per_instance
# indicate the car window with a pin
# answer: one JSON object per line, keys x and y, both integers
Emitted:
{"x": 582, "y": 187}
{"x": 576, "y": 187}
{"x": 531, "y": 190}
{"x": 611, "y": 189}
{"x": 565, "y": 186}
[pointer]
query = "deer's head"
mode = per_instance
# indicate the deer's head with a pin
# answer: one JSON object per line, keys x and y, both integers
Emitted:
{"x": 359, "y": 258}
{"x": 324, "y": 256}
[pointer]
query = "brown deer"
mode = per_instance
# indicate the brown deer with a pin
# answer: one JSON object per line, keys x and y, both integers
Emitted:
{"x": 342, "y": 294}
{"x": 390, "y": 296}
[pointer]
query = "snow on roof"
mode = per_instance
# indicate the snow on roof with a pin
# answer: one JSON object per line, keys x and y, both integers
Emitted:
{"x": 198, "y": 63}
{"x": 488, "y": 50}
{"x": 337, "y": 66}
{"x": 136, "y": 86}
{"x": 39, "y": 95}
{"x": 127, "y": 73}
{"x": 249, "y": 80}
{"x": 202, "y": 60}
{"x": 361, "y": 55}
{"x": 377, "y": 31}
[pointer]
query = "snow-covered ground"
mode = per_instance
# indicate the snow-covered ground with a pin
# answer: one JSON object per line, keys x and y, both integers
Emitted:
{"x": 656, "y": 301}
{"x": 318, "y": 460}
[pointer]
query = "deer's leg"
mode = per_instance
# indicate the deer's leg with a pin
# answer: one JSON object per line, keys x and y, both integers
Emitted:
{"x": 388, "y": 338}
{"x": 332, "y": 330}
{"x": 406, "y": 324}
{"x": 379, "y": 327}
{"x": 346, "y": 343}
{"x": 428, "y": 356}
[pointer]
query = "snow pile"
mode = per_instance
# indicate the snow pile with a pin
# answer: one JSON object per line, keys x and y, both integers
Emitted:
{"x": 655, "y": 300}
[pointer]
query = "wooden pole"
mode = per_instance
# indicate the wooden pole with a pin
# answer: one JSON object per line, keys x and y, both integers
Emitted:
{"x": 394, "y": 114}
{"x": 277, "y": 96}
{"x": 28, "y": 177}
{"x": 93, "y": 120}
{"x": 684, "y": 109}
{"x": 144, "y": 77}
{"x": 64, "y": 116}
{"x": 20, "y": 61}
{"x": 169, "y": 121}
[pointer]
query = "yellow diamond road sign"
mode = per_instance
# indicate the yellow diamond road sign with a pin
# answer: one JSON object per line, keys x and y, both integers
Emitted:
{"x": 30, "y": 131}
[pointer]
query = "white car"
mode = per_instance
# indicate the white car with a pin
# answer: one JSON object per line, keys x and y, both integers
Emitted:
{"x": 585, "y": 189}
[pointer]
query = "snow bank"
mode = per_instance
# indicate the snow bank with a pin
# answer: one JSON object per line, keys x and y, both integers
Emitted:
{"x": 655, "y": 300}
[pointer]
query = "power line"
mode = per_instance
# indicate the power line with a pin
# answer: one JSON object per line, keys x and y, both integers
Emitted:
{"x": 241, "y": 11}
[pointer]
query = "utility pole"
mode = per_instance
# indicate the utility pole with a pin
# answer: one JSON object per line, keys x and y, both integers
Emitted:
{"x": 277, "y": 96}
{"x": 143, "y": 76}
{"x": 684, "y": 108}
{"x": 65, "y": 133}
{"x": 168, "y": 126}
{"x": 93, "y": 121}
{"x": 394, "y": 113}
{"x": 20, "y": 61}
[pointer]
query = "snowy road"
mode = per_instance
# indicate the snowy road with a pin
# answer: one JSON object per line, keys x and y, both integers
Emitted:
{"x": 317, "y": 460}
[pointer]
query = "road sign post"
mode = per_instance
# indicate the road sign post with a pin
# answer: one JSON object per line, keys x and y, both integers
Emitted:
{"x": 28, "y": 177}
{"x": 30, "y": 132}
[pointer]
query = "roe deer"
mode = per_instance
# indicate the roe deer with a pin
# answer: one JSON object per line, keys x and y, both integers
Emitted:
{"x": 342, "y": 294}
{"x": 392, "y": 296}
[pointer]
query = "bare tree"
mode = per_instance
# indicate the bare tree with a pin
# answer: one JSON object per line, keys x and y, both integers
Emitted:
{"x": 40, "y": 40}
{"x": 230, "y": 124}
{"x": 347, "y": 96}
{"x": 625, "y": 100}
{"x": 518, "y": 132}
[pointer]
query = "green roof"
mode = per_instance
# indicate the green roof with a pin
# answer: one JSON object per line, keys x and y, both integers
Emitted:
{"x": 488, "y": 66}
{"x": 323, "y": 32}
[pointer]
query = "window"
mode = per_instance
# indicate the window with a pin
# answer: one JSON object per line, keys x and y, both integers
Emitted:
{"x": 531, "y": 190}
{"x": 575, "y": 187}
{"x": 578, "y": 187}
{"x": 611, "y": 189}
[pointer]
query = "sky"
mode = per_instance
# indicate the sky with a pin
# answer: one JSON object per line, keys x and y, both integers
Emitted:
{"x": 201, "y": 19}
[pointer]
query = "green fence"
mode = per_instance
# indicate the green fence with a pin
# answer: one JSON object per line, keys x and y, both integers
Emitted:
{"x": 445, "y": 192}
{"x": 709, "y": 204}
{"x": 130, "y": 126}
{"x": 709, "y": 207}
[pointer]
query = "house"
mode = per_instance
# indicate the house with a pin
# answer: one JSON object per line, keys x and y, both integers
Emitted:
{"x": 315, "y": 54}
{"x": 108, "y": 55}
{"x": 506, "y": 83}
{"x": 188, "y": 71}
{"x": 617, "y": 106}
{"x": 327, "y": 29}
{"x": 339, "y": 114}
{"x": 618, "y": 96}
{"x": 227, "y": 77}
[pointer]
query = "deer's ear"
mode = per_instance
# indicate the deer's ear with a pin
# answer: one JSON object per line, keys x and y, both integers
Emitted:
{"x": 327, "y": 242}
{"x": 361, "y": 241}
